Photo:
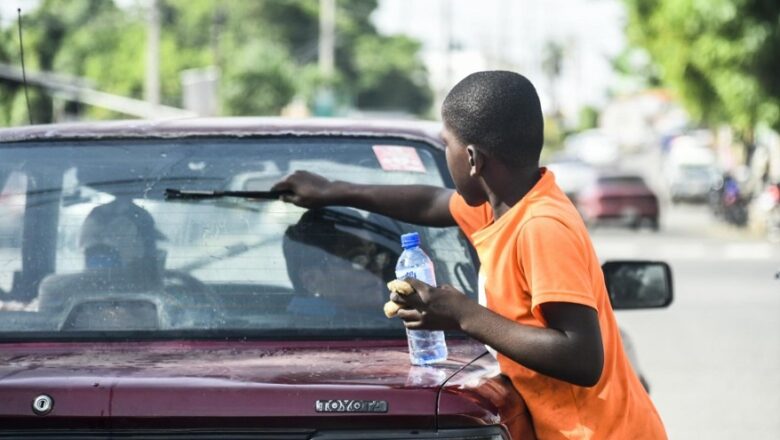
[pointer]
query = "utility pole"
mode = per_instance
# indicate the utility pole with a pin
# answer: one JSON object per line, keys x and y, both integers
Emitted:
{"x": 325, "y": 98}
{"x": 327, "y": 37}
{"x": 152, "y": 83}
{"x": 448, "y": 42}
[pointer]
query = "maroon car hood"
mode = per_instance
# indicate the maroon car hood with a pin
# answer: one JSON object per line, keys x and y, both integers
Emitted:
{"x": 207, "y": 381}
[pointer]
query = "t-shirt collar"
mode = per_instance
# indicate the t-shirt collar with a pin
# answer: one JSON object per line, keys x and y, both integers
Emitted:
{"x": 542, "y": 186}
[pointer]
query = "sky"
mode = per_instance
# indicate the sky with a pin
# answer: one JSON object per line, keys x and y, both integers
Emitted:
{"x": 8, "y": 9}
{"x": 499, "y": 34}
{"x": 511, "y": 34}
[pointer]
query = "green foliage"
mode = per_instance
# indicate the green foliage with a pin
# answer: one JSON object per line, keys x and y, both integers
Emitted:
{"x": 588, "y": 118}
{"x": 391, "y": 76}
{"x": 553, "y": 134}
{"x": 266, "y": 52}
{"x": 260, "y": 81}
{"x": 720, "y": 56}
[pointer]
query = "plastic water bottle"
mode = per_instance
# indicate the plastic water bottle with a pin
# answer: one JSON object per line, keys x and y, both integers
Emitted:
{"x": 425, "y": 346}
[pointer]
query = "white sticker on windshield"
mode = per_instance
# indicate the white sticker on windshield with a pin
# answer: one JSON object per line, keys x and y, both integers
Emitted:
{"x": 398, "y": 158}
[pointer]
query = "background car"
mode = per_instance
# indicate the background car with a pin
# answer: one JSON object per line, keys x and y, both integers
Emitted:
{"x": 156, "y": 303}
{"x": 572, "y": 175}
{"x": 690, "y": 169}
{"x": 593, "y": 147}
{"x": 623, "y": 198}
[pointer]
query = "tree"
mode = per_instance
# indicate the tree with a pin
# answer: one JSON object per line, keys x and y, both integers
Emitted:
{"x": 266, "y": 52}
{"x": 719, "y": 56}
{"x": 391, "y": 76}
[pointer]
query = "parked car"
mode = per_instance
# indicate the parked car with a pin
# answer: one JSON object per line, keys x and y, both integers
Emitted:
{"x": 160, "y": 292}
{"x": 692, "y": 183}
{"x": 593, "y": 147}
{"x": 690, "y": 169}
{"x": 572, "y": 175}
{"x": 623, "y": 198}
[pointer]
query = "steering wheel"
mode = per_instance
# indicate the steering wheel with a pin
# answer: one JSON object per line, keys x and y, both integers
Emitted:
{"x": 184, "y": 285}
{"x": 177, "y": 278}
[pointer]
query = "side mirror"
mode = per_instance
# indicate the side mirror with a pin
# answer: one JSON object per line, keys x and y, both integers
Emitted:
{"x": 638, "y": 284}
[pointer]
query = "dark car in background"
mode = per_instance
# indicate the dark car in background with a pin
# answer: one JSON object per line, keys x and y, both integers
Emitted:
{"x": 158, "y": 291}
{"x": 619, "y": 198}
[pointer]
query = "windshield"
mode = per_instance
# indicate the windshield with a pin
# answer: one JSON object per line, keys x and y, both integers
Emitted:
{"x": 90, "y": 246}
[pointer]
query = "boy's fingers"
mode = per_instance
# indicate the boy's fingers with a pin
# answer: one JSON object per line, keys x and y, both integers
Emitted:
{"x": 398, "y": 298}
{"x": 409, "y": 315}
{"x": 400, "y": 286}
{"x": 413, "y": 300}
{"x": 391, "y": 309}
{"x": 281, "y": 185}
{"x": 417, "y": 285}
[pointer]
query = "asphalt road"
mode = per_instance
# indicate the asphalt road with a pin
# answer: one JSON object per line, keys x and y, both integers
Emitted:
{"x": 712, "y": 357}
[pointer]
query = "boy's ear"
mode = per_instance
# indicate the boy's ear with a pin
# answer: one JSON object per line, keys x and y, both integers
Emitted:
{"x": 476, "y": 160}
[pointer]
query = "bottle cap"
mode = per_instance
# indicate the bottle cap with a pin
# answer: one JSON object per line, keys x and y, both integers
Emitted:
{"x": 410, "y": 240}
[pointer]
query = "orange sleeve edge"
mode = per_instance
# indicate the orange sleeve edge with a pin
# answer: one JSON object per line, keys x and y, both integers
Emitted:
{"x": 560, "y": 296}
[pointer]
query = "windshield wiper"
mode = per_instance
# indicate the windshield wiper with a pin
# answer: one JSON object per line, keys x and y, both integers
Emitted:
{"x": 194, "y": 194}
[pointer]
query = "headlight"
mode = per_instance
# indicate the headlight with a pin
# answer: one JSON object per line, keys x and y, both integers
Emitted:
{"x": 488, "y": 433}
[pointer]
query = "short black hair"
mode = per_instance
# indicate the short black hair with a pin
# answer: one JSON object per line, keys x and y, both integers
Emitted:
{"x": 498, "y": 112}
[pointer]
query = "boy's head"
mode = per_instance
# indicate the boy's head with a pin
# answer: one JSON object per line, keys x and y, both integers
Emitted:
{"x": 495, "y": 114}
{"x": 491, "y": 119}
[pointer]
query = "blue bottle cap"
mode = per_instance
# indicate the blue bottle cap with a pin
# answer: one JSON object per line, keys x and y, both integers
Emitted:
{"x": 410, "y": 240}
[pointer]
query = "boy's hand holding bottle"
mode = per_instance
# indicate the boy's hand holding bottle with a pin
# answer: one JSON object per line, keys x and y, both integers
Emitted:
{"x": 427, "y": 307}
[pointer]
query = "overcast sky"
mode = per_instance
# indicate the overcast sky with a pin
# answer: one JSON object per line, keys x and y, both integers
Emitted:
{"x": 499, "y": 34}
{"x": 512, "y": 34}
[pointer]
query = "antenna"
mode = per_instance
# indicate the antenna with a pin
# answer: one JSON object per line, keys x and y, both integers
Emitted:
{"x": 24, "y": 73}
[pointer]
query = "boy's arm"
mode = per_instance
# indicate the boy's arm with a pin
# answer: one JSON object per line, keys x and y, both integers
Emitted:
{"x": 418, "y": 204}
{"x": 568, "y": 349}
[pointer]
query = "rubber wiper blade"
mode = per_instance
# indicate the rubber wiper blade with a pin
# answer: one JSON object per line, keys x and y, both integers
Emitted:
{"x": 195, "y": 194}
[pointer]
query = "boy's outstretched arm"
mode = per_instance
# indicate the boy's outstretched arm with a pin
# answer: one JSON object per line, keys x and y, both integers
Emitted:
{"x": 418, "y": 204}
{"x": 569, "y": 348}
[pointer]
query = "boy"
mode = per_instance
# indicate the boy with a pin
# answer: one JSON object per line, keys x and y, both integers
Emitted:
{"x": 543, "y": 305}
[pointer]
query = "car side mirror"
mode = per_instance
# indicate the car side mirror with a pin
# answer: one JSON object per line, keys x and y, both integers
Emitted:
{"x": 638, "y": 284}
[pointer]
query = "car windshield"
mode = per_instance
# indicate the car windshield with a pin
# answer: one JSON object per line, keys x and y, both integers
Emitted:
{"x": 91, "y": 247}
{"x": 695, "y": 172}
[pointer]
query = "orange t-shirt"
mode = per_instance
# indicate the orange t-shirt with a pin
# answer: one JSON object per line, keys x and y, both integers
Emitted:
{"x": 539, "y": 251}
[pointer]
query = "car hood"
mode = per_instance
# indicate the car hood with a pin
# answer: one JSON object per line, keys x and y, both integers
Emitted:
{"x": 207, "y": 381}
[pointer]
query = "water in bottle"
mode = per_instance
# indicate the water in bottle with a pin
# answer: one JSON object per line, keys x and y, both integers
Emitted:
{"x": 425, "y": 346}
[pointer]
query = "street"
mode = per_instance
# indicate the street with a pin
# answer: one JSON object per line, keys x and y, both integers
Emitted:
{"x": 713, "y": 357}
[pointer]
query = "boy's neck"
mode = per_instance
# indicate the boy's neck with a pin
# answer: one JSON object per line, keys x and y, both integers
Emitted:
{"x": 508, "y": 186}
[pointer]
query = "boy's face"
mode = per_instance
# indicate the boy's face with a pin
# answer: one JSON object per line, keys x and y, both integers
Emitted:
{"x": 458, "y": 162}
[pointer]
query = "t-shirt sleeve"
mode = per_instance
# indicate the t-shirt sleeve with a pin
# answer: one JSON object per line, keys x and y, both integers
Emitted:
{"x": 555, "y": 264}
{"x": 469, "y": 218}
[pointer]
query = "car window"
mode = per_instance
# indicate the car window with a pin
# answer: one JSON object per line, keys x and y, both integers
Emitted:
{"x": 12, "y": 201}
{"x": 115, "y": 255}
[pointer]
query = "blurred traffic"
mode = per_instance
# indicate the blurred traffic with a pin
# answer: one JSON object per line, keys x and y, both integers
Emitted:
{"x": 633, "y": 188}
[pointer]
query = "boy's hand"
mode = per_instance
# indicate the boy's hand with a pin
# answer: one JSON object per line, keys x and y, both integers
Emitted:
{"x": 431, "y": 308}
{"x": 308, "y": 190}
